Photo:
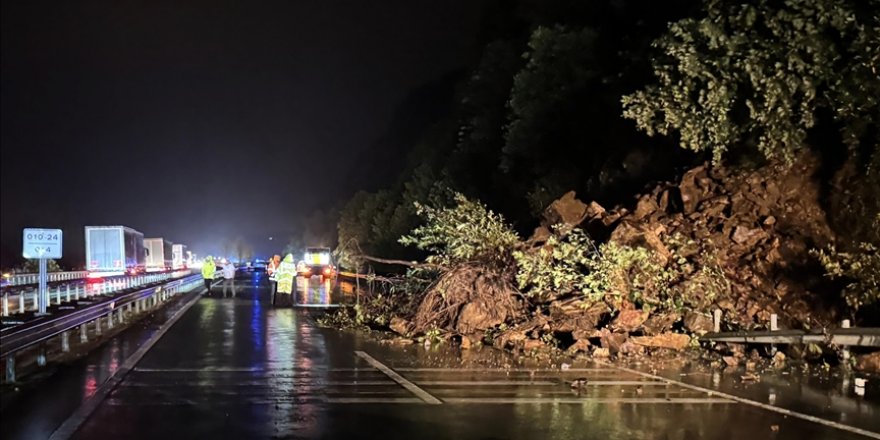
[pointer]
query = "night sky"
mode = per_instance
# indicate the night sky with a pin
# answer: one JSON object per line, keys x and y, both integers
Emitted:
{"x": 198, "y": 121}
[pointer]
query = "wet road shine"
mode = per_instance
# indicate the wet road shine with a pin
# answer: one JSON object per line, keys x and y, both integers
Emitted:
{"x": 237, "y": 368}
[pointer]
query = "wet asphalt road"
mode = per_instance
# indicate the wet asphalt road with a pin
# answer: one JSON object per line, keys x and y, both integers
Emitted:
{"x": 236, "y": 368}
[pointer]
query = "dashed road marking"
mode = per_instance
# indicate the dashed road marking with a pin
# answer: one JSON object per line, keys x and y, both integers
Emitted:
{"x": 776, "y": 409}
{"x": 411, "y": 387}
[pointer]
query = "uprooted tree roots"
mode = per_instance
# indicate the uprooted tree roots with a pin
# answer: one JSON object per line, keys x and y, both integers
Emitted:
{"x": 468, "y": 299}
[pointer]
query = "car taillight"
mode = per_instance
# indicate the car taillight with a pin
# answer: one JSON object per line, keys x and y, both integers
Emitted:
{"x": 326, "y": 271}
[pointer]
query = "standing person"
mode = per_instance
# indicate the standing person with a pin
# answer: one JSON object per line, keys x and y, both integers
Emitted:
{"x": 284, "y": 275}
{"x": 271, "y": 267}
{"x": 229, "y": 277}
{"x": 208, "y": 269}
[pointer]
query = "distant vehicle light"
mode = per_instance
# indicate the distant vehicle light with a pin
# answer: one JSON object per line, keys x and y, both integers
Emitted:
{"x": 7, "y": 275}
{"x": 327, "y": 271}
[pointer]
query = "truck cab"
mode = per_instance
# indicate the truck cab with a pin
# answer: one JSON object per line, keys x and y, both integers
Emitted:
{"x": 316, "y": 262}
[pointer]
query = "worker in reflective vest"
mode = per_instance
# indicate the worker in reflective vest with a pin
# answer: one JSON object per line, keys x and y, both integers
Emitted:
{"x": 208, "y": 269}
{"x": 285, "y": 274}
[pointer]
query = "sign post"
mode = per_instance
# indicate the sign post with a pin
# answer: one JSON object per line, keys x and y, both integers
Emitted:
{"x": 42, "y": 244}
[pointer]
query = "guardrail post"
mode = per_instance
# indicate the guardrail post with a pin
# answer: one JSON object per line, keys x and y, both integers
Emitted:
{"x": 121, "y": 317}
{"x": 83, "y": 333}
{"x": 110, "y": 320}
{"x": 844, "y": 352}
{"x": 10, "y": 368}
{"x": 68, "y": 293}
{"x": 76, "y": 293}
{"x": 137, "y": 306}
{"x": 65, "y": 342}
{"x": 58, "y": 296}
{"x": 6, "y": 304}
{"x": 98, "y": 326}
{"x": 21, "y": 302}
{"x": 36, "y": 301}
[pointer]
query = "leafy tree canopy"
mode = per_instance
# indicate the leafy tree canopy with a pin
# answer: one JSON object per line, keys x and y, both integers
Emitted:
{"x": 757, "y": 75}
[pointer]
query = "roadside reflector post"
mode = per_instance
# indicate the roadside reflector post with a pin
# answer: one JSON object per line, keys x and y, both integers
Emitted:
{"x": 110, "y": 320}
{"x": 716, "y": 319}
{"x": 41, "y": 355}
{"x": 68, "y": 293}
{"x": 6, "y": 304}
{"x": 21, "y": 302}
{"x": 10, "y": 368}
{"x": 844, "y": 352}
{"x": 98, "y": 326}
{"x": 65, "y": 342}
{"x": 83, "y": 334}
{"x": 37, "y": 301}
{"x": 773, "y": 327}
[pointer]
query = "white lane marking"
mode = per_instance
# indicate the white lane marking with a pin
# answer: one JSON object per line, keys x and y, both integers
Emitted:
{"x": 201, "y": 370}
{"x": 79, "y": 416}
{"x": 536, "y": 383}
{"x": 420, "y": 393}
{"x": 372, "y": 400}
{"x": 300, "y": 382}
{"x": 582, "y": 400}
{"x": 486, "y": 383}
{"x": 507, "y": 370}
{"x": 776, "y": 409}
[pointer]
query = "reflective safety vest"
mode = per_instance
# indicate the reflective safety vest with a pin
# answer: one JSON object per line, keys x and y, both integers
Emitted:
{"x": 208, "y": 270}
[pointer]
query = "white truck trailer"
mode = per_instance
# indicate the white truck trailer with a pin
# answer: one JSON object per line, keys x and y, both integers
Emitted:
{"x": 114, "y": 250}
{"x": 159, "y": 254}
{"x": 179, "y": 256}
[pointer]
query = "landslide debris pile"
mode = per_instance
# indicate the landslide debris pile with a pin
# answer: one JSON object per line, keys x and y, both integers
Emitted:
{"x": 736, "y": 241}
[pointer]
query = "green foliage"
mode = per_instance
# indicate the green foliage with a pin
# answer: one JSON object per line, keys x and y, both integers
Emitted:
{"x": 432, "y": 336}
{"x": 628, "y": 272}
{"x": 640, "y": 276}
{"x": 467, "y": 231}
{"x": 558, "y": 267}
{"x": 33, "y": 266}
{"x": 860, "y": 269}
{"x": 759, "y": 73}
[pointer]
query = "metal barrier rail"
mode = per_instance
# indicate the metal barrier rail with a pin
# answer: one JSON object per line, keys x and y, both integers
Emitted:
{"x": 34, "y": 278}
{"x": 858, "y": 336}
{"x": 40, "y": 330}
{"x": 21, "y": 302}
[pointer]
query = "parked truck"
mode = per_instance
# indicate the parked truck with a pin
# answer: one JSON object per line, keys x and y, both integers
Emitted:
{"x": 179, "y": 256}
{"x": 159, "y": 254}
{"x": 114, "y": 250}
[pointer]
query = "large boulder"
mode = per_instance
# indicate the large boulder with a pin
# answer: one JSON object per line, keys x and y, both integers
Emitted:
{"x": 612, "y": 341}
{"x": 698, "y": 323}
{"x": 566, "y": 210}
{"x": 629, "y": 320}
{"x": 660, "y": 322}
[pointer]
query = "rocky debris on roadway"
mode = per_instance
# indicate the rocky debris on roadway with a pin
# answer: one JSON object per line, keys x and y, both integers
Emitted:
{"x": 756, "y": 227}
